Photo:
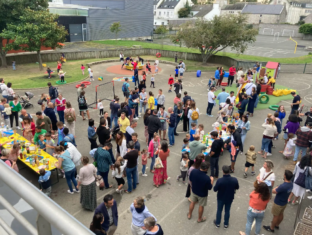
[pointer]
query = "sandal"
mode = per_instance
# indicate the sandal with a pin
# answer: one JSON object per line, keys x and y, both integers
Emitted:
{"x": 165, "y": 139}
{"x": 188, "y": 216}
{"x": 202, "y": 220}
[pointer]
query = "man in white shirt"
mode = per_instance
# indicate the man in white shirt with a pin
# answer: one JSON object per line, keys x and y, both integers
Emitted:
{"x": 231, "y": 97}
{"x": 3, "y": 88}
{"x": 211, "y": 98}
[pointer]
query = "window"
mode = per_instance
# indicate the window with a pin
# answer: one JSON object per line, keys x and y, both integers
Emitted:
{"x": 154, "y": 12}
{"x": 168, "y": 13}
{"x": 159, "y": 12}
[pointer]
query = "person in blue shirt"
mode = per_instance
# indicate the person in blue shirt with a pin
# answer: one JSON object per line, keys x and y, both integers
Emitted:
{"x": 60, "y": 129}
{"x": 217, "y": 73}
{"x": 69, "y": 137}
{"x": 222, "y": 96}
{"x": 172, "y": 124}
{"x": 126, "y": 89}
{"x": 44, "y": 181}
{"x": 243, "y": 106}
{"x": 176, "y": 72}
{"x": 192, "y": 131}
{"x": 41, "y": 142}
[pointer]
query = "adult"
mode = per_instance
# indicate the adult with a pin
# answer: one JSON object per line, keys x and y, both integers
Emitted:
{"x": 163, "y": 117}
{"x": 267, "y": 175}
{"x": 3, "y": 88}
{"x": 186, "y": 120}
{"x": 65, "y": 162}
{"x": 221, "y": 74}
{"x": 49, "y": 112}
{"x": 110, "y": 212}
{"x": 258, "y": 93}
{"x": 232, "y": 72}
{"x": 151, "y": 101}
{"x": 186, "y": 98}
{"x": 226, "y": 188}
{"x": 193, "y": 114}
{"x": 123, "y": 122}
{"x": 304, "y": 140}
{"x": 104, "y": 162}
{"x": 92, "y": 136}
{"x": 143, "y": 101}
{"x": 96, "y": 225}
{"x": 176, "y": 100}
{"x": 178, "y": 87}
{"x": 105, "y": 137}
{"x": 70, "y": 118}
{"x": 24, "y": 114}
{"x": 291, "y": 126}
{"x": 80, "y": 89}
{"x": 53, "y": 93}
{"x": 60, "y": 103}
{"x": 153, "y": 125}
{"x": 211, "y": 101}
{"x": 121, "y": 143}
{"x": 28, "y": 129}
{"x": 171, "y": 126}
{"x": 132, "y": 103}
{"x": 108, "y": 122}
{"x": 10, "y": 92}
{"x": 280, "y": 202}
{"x": 295, "y": 103}
{"x": 160, "y": 174}
{"x": 268, "y": 135}
{"x": 243, "y": 105}
{"x": 239, "y": 73}
{"x": 217, "y": 75}
{"x": 308, "y": 114}
{"x": 130, "y": 130}
{"x": 222, "y": 97}
{"x": 237, "y": 146}
{"x": 153, "y": 147}
{"x": 151, "y": 227}
{"x": 251, "y": 102}
{"x": 241, "y": 81}
{"x": 126, "y": 89}
{"x": 244, "y": 126}
{"x": 196, "y": 147}
{"x": 44, "y": 122}
{"x": 83, "y": 106}
{"x": 69, "y": 137}
{"x": 215, "y": 151}
{"x": 146, "y": 115}
{"x": 224, "y": 107}
{"x": 75, "y": 155}
{"x": 135, "y": 73}
{"x": 160, "y": 99}
{"x": 178, "y": 112}
{"x": 139, "y": 213}
{"x": 15, "y": 108}
{"x": 5, "y": 153}
{"x": 114, "y": 107}
{"x": 201, "y": 183}
{"x": 88, "y": 186}
{"x": 132, "y": 166}
{"x": 259, "y": 199}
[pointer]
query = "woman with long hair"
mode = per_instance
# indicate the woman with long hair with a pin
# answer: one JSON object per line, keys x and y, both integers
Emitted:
{"x": 259, "y": 198}
{"x": 186, "y": 120}
{"x": 14, "y": 153}
{"x": 251, "y": 102}
{"x": 146, "y": 115}
{"x": 70, "y": 118}
{"x": 267, "y": 175}
{"x": 281, "y": 113}
{"x": 121, "y": 144}
{"x": 153, "y": 147}
{"x": 160, "y": 174}
{"x": 190, "y": 112}
{"x": 244, "y": 124}
{"x": 28, "y": 128}
{"x": 178, "y": 112}
{"x": 268, "y": 135}
{"x": 163, "y": 117}
{"x": 96, "y": 225}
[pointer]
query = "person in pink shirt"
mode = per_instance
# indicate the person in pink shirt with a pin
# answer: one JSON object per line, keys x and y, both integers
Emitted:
{"x": 60, "y": 103}
{"x": 5, "y": 158}
{"x": 82, "y": 69}
{"x": 232, "y": 72}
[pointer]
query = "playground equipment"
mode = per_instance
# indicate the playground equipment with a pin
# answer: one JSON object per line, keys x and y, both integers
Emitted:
{"x": 103, "y": 90}
{"x": 281, "y": 92}
{"x": 100, "y": 78}
{"x": 273, "y": 107}
{"x": 158, "y": 55}
{"x": 130, "y": 66}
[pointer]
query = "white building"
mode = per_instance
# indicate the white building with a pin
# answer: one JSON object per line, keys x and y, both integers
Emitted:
{"x": 206, "y": 12}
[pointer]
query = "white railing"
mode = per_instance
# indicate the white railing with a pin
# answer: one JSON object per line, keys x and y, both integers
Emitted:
{"x": 49, "y": 212}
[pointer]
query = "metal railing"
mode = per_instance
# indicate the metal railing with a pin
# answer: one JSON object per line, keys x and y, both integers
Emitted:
{"x": 49, "y": 212}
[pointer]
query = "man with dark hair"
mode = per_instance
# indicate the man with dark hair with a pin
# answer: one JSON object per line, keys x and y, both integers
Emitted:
{"x": 49, "y": 112}
{"x": 130, "y": 130}
{"x": 214, "y": 154}
{"x": 109, "y": 210}
{"x": 114, "y": 107}
{"x": 201, "y": 183}
{"x": 304, "y": 140}
{"x": 53, "y": 93}
{"x": 132, "y": 166}
{"x": 211, "y": 100}
{"x": 126, "y": 89}
{"x": 153, "y": 125}
{"x": 296, "y": 102}
{"x": 280, "y": 202}
{"x": 226, "y": 188}
{"x": 222, "y": 96}
{"x": 186, "y": 97}
{"x": 123, "y": 122}
{"x": 237, "y": 142}
{"x": 44, "y": 122}
{"x": 232, "y": 72}
{"x": 105, "y": 136}
{"x": 196, "y": 147}
{"x": 243, "y": 106}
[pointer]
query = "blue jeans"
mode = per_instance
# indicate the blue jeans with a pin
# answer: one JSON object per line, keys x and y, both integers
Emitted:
{"x": 70, "y": 177}
{"x": 153, "y": 162}
{"x": 177, "y": 123}
{"x": 297, "y": 151}
{"x": 105, "y": 178}
{"x": 114, "y": 118}
{"x": 227, "y": 207}
{"x": 265, "y": 144}
{"x": 112, "y": 155}
{"x": 137, "y": 111}
{"x": 171, "y": 135}
{"x": 53, "y": 101}
{"x": 243, "y": 137}
{"x": 190, "y": 123}
{"x": 270, "y": 146}
{"x": 250, "y": 219}
{"x": 256, "y": 102}
{"x": 143, "y": 169}
{"x": 214, "y": 166}
{"x": 61, "y": 116}
{"x": 132, "y": 178}
{"x": 209, "y": 108}
{"x": 142, "y": 106}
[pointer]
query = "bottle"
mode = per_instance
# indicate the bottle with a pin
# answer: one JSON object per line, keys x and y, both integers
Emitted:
{"x": 21, "y": 154}
{"x": 25, "y": 153}
{"x": 47, "y": 165}
{"x": 37, "y": 162}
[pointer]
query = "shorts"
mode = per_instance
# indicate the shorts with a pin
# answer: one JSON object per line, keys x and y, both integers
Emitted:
{"x": 237, "y": 151}
{"x": 120, "y": 181}
{"x": 202, "y": 201}
{"x": 181, "y": 74}
{"x": 248, "y": 164}
{"x": 126, "y": 94}
{"x": 278, "y": 210}
{"x": 91, "y": 76}
{"x": 176, "y": 75}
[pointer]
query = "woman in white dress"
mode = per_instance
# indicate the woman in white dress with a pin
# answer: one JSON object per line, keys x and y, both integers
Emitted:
{"x": 301, "y": 167}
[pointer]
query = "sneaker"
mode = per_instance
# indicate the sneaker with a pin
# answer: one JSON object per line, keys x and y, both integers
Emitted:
{"x": 294, "y": 203}
{"x": 217, "y": 225}
{"x": 18, "y": 128}
{"x": 117, "y": 190}
{"x": 70, "y": 192}
{"x": 169, "y": 145}
{"x": 253, "y": 173}
{"x": 308, "y": 191}
{"x": 144, "y": 175}
{"x": 178, "y": 178}
{"x": 136, "y": 118}
{"x": 226, "y": 226}
{"x": 139, "y": 116}
{"x": 126, "y": 191}
{"x": 277, "y": 227}
{"x": 267, "y": 228}
{"x": 76, "y": 191}
{"x": 269, "y": 154}
{"x": 245, "y": 175}
{"x": 210, "y": 115}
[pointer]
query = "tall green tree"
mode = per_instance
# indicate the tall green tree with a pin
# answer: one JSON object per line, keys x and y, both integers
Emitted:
{"x": 210, "y": 37}
{"x": 185, "y": 11}
{"x": 10, "y": 12}
{"x": 34, "y": 30}
{"x": 306, "y": 29}
{"x": 115, "y": 28}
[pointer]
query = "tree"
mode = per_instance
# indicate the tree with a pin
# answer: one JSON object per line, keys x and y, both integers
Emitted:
{"x": 306, "y": 29}
{"x": 185, "y": 11}
{"x": 162, "y": 30}
{"x": 217, "y": 34}
{"x": 10, "y": 12}
{"x": 35, "y": 29}
{"x": 176, "y": 39}
{"x": 300, "y": 22}
{"x": 115, "y": 28}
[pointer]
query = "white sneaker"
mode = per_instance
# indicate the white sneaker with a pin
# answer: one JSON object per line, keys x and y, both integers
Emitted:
{"x": 308, "y": 191}
{"x": 18, "y": 127}
{"x": 139, "y": 116}
{"x": 117, "y": 190}
{"x": 269, "y": 154}
{"x": 76, "y": 191}
{"x": 309, "y": 197}
{"x": 136, "y": 118}
{"x": 144, "y": 175}
{"x": 70, "y": 192}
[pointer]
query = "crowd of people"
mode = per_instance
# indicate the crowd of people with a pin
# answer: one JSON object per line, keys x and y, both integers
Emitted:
{"x": 54, "y": 132}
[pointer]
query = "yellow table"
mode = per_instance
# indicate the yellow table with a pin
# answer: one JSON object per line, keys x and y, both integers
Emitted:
{"x": 17, "y": 137}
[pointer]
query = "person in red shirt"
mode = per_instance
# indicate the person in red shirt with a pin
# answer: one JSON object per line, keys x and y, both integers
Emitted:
{"x": 232, "y": 72}
{"x": 170, "y": 82}
{"x": 59, "y": 66}
{"x": 135, "y": 64}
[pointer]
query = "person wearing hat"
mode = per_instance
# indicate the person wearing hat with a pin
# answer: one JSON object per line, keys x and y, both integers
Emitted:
{"x": 80, "y": 89}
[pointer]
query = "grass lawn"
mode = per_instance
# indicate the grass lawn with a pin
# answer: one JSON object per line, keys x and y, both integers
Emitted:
{"x": 127, "y": 43}
{"x": 29, "y": 76}
{"x": 272, "y": 101}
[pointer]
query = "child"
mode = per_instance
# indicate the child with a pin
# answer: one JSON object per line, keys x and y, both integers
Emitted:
{"x": 49, "y": 71}
{"x": 60, "y": 128}
{"x": 91, "y": 75}
{"x": 144, "y": 161}
{"x": 176, "y": 72}
{"x": 181, "y": 70}
{"x": 192, "y": 131}
{"x": 6, "y": 114}
{"x": 289, "y": 148}
{"x": 200, "y": 131}
{"x": 265, "y": 78}
{"x": 272, "y": 82}
{"x": 82, "y": 69}
{"x": 251, "y": 157}
{"x": 278, "y": 124}
{"x": 41, "y": 142}
{"x": 170, "y": 82}
{"x": 183, "y": 167}
{"x": 13, "y": 65}
{"x": 148, "y": 67}
{"x": 188, "y": 136}
{"x": 101, "y": 108}
{"x": 89, "y": 71}
{"x": 50, "y": 144}
{"x": 156, "y": 68}
{"x": 44, "y": 180}
{"x": 153, "y": 81}
{"x": 185, "y": 143}
{"x": 221, "y": 117}
{"x": 118, "y": 173}
{"x": 62, "y": 75}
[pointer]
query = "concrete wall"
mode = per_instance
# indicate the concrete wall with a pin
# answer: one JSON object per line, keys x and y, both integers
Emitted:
{"x": 266, "y": 19}
{"x": 283, "y": 30}
{"x": 226, "y": 12}
{"x": 294, "y": 14}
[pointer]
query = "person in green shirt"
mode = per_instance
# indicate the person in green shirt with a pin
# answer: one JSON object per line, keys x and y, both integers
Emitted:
{"x": 43, "y": 121}
{"x": 15, "y": 108}
{"x": 39, "y": 132}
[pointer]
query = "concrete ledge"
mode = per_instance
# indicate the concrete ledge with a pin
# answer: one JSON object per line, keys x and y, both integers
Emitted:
{"x": 110, "y": 61}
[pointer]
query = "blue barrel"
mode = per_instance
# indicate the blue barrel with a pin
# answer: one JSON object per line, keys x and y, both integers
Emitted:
{"x": 226, "y": 75}
{"x": 198, "y": 74}
{"x": 155, "y": 101}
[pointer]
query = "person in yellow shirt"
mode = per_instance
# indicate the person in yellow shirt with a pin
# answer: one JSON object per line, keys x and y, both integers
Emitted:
{"x": 151, "y": 101}
{"x": 123, "y": 122}
{"x": 272, "y": 82}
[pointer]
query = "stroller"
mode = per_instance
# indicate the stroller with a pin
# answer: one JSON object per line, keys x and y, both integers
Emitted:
{"x": 25, "y": 100}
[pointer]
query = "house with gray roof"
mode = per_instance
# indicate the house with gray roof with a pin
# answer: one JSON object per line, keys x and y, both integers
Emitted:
{"x": 206, "y": 12}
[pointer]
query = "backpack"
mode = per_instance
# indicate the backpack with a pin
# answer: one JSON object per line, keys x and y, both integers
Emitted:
{"x": 124, "y": 87}
{"x": 81, "y": 101}
{"x": 54, "y": 93}
{"x": 194, "y": 115}
{"x": 69, "y": 117}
